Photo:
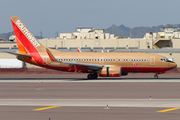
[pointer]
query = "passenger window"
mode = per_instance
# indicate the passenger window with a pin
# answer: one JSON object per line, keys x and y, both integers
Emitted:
{"x": 131, "y": 59}
{"x": 144, "y": 60}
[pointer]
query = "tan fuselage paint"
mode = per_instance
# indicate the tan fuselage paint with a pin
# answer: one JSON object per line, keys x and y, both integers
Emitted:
{"x": 156, "y": 62}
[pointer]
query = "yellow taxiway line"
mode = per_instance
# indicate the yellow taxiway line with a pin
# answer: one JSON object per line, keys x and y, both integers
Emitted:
{"x": 166, "y": 110}
{"x": 44, "y": 108}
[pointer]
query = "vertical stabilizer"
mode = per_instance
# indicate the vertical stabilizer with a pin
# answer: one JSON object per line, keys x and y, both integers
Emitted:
{"x": 25, "y": 37}
{"x": 27, "y": 43}
{"x": 21, "y": 48}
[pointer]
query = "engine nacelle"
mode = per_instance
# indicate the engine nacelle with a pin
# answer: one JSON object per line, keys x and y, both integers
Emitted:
{"x": 110, "y": 72}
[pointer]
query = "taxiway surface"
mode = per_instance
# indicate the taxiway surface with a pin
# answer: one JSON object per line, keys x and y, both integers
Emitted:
{"x": 135, "y": 97}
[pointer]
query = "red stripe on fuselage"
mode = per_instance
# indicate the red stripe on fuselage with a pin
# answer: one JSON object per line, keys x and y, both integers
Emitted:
{"x": 145, "y": 69}
{"x": 124, "y": 69}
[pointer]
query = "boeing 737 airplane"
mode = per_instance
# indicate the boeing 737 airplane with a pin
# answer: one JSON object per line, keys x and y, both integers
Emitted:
{"x": 106, "y": 64}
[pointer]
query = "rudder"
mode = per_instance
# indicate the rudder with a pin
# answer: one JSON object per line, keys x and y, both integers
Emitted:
{"x": 25, "y": 37}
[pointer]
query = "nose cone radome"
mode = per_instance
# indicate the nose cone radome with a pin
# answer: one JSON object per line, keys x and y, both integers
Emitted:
{"x": 173, "y": 65}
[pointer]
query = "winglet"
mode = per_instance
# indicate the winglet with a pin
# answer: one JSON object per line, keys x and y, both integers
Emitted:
{"x": 51, "y": 56}
{"x": 78, "y": 49}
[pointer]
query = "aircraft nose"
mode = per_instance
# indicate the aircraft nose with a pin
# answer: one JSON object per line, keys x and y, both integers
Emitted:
{"x": 173, "y": 65}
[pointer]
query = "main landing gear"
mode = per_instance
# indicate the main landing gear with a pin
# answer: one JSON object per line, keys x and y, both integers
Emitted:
{"x": 156, "y": 76}
{"x": 92, "y": 76}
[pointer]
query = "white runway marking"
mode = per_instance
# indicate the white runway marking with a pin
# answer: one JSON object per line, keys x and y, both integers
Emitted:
{"x": 93, "y": 102}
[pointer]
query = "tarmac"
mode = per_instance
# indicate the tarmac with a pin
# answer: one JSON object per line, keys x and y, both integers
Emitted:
{"x": 73, "y": 96}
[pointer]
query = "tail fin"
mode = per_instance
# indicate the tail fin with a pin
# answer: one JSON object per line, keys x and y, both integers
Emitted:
{"x": 21, "y": 48}
{"x": 27, "y": 43}
{"x": 78, "y": 49}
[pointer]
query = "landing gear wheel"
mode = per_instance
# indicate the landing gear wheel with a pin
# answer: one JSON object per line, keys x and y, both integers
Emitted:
{"x": 156, "y": 76}
{"x": 94, "y": 75}
{"x": 89, "y": 76}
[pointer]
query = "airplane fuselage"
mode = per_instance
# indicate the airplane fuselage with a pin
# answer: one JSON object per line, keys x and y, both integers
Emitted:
{"x": 96, "y": 63}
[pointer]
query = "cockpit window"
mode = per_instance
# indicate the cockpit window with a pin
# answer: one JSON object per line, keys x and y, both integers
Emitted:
{"x": 166, "y": 60}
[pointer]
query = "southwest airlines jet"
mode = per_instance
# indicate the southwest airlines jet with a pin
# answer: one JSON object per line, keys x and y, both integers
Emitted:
{"x": 110, "y": 64}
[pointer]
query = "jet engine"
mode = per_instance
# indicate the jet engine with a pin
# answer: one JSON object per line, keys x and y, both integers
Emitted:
{"x": 111, "y": 72}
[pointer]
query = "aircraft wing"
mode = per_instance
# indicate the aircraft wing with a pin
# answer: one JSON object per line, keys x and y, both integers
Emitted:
{"x": 22, "y": 55}
{"x": 52, "y": 58}
{"x": 83, "y": 64}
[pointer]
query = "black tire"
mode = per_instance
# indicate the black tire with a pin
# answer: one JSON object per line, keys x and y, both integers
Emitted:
{"x": 90, "y": 76}
{"x": 94, "y": 75}
{"x": 156, "y": 76}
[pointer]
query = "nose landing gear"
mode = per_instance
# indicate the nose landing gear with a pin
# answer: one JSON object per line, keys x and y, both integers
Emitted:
{"x": 156, "y": 76}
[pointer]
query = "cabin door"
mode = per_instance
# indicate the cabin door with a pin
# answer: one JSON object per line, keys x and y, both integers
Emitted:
{"x": 152, "y": 60}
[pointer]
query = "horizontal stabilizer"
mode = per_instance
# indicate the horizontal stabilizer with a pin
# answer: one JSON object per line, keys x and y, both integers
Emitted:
{"x": 22, "y": 55}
